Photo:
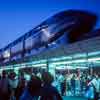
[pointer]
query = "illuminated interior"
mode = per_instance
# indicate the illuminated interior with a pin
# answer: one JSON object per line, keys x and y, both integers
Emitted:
{"x": 74, "y": 61}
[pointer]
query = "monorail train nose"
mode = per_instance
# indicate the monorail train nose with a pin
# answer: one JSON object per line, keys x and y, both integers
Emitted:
{"x": 72, "y": 22}
{"x": 86, "y": 22}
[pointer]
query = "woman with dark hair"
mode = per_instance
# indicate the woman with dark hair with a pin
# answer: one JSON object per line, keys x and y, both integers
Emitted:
{"x": 32, "y": 91}
{"x": 49, "y": 92}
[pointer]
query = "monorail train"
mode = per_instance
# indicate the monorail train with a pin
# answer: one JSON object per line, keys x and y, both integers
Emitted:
{"x": 72, "y": 23}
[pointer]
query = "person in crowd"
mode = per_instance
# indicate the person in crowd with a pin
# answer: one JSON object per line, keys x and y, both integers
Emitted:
{"x": 82, "y": 84}
{"x": 49, "y": 92}
{"x": 61, "y": 81}
{"x": 4, "y": 87}
{"x": 13, "y": 82}
{"x": 95, "y": 84}
{"x": 93, "y": 88}
{"x": 32, "y": 91}
{"x": 68, "y": 85}
{"x": 20, "y": 88}
{"x": 99, "y": 84}
{"x": 55, "y": 83}
{"x": 64, "y": 86}
{"x": 77, "y": 85}
{"x": 90, "y": 92}
{"x": 73, "y": 84}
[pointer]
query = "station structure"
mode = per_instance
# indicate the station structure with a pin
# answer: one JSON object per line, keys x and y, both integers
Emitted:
{"x": 67, "y": 40}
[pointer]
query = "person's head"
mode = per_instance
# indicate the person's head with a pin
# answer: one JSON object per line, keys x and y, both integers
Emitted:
{"x": 47, "y": 78}
{"x": 12, "y": 75}
{"x": 4, "y": 74}
{"x": 34, "y": 85}
{"x": 98, "y": 75}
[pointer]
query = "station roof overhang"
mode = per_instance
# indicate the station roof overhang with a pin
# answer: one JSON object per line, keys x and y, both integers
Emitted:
{"x": 85, "y": 46}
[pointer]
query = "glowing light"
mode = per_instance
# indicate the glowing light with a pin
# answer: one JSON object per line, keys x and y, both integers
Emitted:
{"x": 6, "y": 54}
{"x": 38, "y": 65}
{"x": 82, "y": 67}
{"x": 70, "y": 67}
{"x": 60, "y": 67}
{"x": 61, "y": 58}
{"x": 37, "y": 62}
{"x": 93, "y": 59}
{"x": 63, "y": 62}
{"x": 43, "y": 67}
{"x": 6, "y": 68}
{"x": 45, "y": 36}
{"x": 69, "y": 62}
{"x": 94, "y": 53}
{"x": 80, "y": 60}
{"x": 79, "y": 55}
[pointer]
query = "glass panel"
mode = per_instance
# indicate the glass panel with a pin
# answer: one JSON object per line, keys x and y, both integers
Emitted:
{"x": 17, "y": 47}
{"x": 28, "y": 42}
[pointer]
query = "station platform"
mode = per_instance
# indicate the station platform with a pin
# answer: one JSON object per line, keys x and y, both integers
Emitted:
{"x": 73, "y": 98}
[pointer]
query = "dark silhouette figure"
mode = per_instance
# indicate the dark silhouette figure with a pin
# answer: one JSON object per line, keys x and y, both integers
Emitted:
{"x": 32, "y": 91}
{"x": 49, "y": 92}
{"x": 4, "y": 87}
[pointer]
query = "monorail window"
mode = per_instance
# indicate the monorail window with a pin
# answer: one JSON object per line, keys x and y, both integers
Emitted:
{"x": 17, "y": 47}
{"x": 28, "y": 42}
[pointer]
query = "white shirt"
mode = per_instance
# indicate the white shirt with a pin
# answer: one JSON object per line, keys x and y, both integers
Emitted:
{"x": 95, "y": 82}
{"x": 13, "y": 83}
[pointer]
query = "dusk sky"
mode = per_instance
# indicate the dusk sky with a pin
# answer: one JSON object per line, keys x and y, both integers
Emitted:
{"x": 19, "y": 16}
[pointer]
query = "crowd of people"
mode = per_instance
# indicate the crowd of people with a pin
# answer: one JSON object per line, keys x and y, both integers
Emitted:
{"x": 43, "y": 86}
{"x": 75, "y": 84}
{"x": 38, "y": 87}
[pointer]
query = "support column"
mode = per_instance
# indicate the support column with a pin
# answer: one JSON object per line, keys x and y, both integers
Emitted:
{"x": 51, "y": 69}
{"x": 47, "y": 65}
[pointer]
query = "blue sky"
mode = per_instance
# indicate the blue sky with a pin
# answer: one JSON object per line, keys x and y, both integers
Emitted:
{"x": 19, "y": 16}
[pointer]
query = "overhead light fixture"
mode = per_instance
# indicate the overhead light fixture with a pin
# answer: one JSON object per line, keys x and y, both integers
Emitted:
{"x": 80, "y": 60}
{"x": 94, "y": 59}
{"x": 38, "y": 65}
{"x": 94, "y": 53}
